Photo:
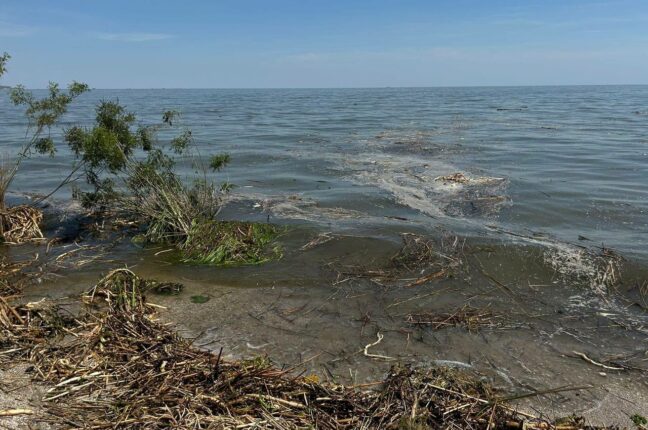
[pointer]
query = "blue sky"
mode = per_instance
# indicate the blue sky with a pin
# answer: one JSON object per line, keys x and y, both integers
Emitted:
{"x": 324, "y": 43}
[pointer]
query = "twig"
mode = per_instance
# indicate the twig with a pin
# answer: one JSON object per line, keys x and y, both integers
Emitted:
{"x": 596, "y": 363}
{"x": 366, "y": 349}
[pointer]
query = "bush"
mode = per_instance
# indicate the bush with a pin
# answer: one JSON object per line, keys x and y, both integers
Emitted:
{"x": 133, "y": 172}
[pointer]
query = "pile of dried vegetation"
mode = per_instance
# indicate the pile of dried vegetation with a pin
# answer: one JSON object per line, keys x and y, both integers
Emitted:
{"x": 117, "y": 366}
{"x": 21, "y": 224}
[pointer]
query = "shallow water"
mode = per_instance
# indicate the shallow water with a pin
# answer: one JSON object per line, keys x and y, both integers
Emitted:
{"x": 554, "y": 174}
{"x": 574, "y": 159}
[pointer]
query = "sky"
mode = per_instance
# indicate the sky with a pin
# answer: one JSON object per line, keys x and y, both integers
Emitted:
{"x": 324, "y": 43}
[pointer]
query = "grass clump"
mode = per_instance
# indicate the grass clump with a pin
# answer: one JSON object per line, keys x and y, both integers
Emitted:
{"x": 186, "y": 217}
{"x": 133, "y": 172}
{"x": 231, "y": 243}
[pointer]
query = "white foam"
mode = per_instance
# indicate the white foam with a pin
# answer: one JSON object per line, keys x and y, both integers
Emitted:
{"x": 296, "y": 207}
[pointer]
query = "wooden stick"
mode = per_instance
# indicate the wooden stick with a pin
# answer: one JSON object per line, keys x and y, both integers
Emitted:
{"x": 14, "y": 412}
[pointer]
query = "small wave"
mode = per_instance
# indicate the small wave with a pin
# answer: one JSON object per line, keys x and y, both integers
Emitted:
{"x": 601, "y": 271}
{"x": 309, "y": 210}
{"x": 598, "y": 268}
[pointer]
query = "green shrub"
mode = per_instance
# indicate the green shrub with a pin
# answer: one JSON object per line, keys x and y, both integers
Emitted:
{"x": 131, "y": 171}
{"x": 42, "y": 114}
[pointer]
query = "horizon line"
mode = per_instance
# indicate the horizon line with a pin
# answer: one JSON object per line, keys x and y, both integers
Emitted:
{"x": 354, "y": 88}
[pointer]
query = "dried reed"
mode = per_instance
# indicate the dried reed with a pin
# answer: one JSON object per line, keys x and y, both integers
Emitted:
{"x": 468, "y": 317}
{"x": 21, "y": 224}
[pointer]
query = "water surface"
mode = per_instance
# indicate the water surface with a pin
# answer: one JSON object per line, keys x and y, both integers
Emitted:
{"x": 556, "y": 174}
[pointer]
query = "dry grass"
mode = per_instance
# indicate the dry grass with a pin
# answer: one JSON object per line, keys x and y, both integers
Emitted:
{"x": 608, "y": 273}
{"x": 21, "y": 224}
{"x": 472, "y": 319}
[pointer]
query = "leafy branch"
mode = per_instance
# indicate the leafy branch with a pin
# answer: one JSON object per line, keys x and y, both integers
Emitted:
{"x": 43, "y": 114}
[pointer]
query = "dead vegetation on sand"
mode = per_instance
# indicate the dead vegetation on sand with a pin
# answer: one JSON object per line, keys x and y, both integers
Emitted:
{"x": 117, "y": 366}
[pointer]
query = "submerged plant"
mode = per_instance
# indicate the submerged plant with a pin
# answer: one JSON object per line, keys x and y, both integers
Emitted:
{"x": 200, "y": 299}
{"x": 639, "y": 420}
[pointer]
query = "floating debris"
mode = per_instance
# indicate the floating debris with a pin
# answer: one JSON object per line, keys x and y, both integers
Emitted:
{"x": 600, "y": 269}
{"x": 420, "y": 260}
{"x": 321, "y": 239}
{"x": 460, "y": 178}
{"x": 457, "y": 178}
{"x": 472, "y": 319}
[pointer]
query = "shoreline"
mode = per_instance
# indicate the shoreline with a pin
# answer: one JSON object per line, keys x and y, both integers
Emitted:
{"x": 409, "y": 291}
{"x": 120, "y": 310}
{"x": 613, "y": 408}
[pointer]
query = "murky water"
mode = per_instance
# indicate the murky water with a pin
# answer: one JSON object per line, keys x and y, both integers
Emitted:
{"x": 551, "y": 176}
